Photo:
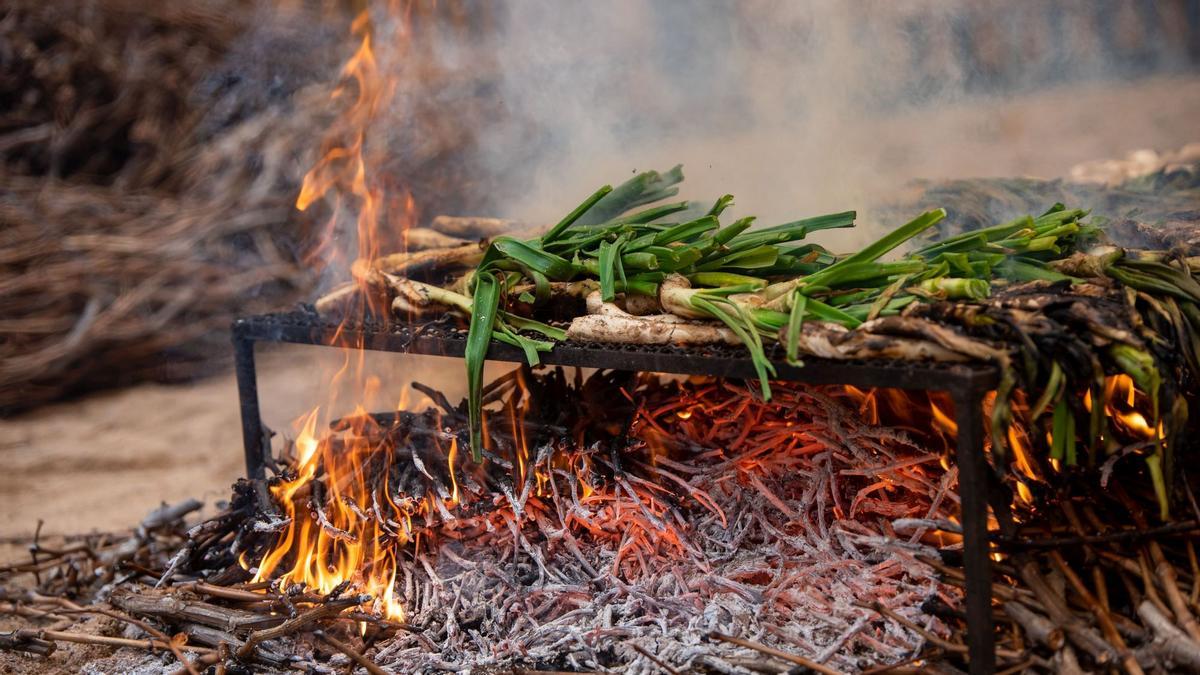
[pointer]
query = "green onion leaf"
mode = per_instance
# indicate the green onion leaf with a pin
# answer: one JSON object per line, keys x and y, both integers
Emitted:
{"x": 723, "y": 203}
{"x": 484, "y": 306}
{"x": 553, "y": 266}
{"x": 576, "y": 214}
{"x": 719, "y": 279}
{"x": 795, "y": 324}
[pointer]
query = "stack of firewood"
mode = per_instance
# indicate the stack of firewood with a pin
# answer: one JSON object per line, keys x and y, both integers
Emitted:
{"x": 139, "y": 212}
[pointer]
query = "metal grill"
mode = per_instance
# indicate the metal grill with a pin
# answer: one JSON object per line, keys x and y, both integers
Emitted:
{"x": 967, "y": 385}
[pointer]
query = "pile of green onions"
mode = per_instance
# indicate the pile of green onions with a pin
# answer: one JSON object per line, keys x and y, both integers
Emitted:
{"x": 756, "y": 281}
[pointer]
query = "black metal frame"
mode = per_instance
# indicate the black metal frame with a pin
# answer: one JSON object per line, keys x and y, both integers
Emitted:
{"x": 967, "y": 385}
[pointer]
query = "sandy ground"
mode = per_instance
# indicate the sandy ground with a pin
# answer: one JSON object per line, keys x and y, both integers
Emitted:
{"x": 104, "y": 461}
{"x": 99, "y": 462}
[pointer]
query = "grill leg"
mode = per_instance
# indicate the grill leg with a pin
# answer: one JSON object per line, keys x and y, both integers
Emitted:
{"x": 252, "y": 427}
{"x": 977, "y": 565}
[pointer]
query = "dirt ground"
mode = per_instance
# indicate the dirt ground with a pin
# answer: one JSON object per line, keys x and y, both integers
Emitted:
{"x": 104, "y": 461}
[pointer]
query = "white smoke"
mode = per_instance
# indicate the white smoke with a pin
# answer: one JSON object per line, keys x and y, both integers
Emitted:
{"x": 796, "y": 108}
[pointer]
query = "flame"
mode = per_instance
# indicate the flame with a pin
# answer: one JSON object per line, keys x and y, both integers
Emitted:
{"x": 582, "y": 466}
{"x": 306, "y": 444}
{"x": 450, "y": 457}
{"x": 1018, "y": 443}
{"x": 932, "y": 412}
{"x": 1124, "y": 406}
{"x": 867, "y": 406}
{"x": 1122, "y": 400}
{"x": 339, "y": 539}
{"x": 333, "y": 543}
{"x": 942, "y": 421}
{"x": 348, "y": 161}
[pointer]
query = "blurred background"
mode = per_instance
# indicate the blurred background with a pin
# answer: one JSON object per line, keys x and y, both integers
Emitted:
{"x": 152, "y": 155}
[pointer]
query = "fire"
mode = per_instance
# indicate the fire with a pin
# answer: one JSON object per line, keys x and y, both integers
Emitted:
{"x": 349, "y": 524}
{"x": 942, "y": 421}
{"x": 341, "y": 540}
{"x": 450, "y": 457}
{"x": 1122, "y": 403}
{"x": 1018, "y": 442}
{"x": 1125, "y": 408}
{"x": 348, "y": 166}
{"x": 330, "y": 540}
{"x": 867, "y": 406}
{"x": 355, "y": 517}
{"x": 346, "y": 525}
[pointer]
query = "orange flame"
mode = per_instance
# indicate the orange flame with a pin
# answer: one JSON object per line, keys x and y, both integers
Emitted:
{"x": 450, "y": 457}
{"x": 342, "y": 540}
{"x": 1122, "y": 400}
{"x": 1018, "y": 442}
{"x": 348, "y": 162}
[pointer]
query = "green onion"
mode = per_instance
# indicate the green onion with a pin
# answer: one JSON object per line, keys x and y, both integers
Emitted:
{"x": 554, "y": 267}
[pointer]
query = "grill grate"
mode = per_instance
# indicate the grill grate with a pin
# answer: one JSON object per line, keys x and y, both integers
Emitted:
{"x": 442, "y": 338}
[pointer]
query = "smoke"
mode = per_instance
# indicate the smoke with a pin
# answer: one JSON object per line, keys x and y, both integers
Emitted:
{"x": 795, "y": 108}
{"x": 753, "y": 99}
{"x": 750, "y": 98}
{"x": 521, "y": 109}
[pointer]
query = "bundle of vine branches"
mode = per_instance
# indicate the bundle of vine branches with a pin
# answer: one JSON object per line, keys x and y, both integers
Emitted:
{"x": 674, "y": 273}
{"x": 137, "y": 217}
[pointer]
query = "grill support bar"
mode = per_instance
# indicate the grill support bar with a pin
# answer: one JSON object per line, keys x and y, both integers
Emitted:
{"x": 254, "y": 434}
{"x": 973, "y": 498}
{"x": 967, "y": 386}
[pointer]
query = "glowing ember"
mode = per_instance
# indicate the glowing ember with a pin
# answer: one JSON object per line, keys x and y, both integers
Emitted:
{"x": 391, "y": 504}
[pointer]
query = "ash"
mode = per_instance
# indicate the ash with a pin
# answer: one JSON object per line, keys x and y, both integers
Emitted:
{"x": 722, "y": 515}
